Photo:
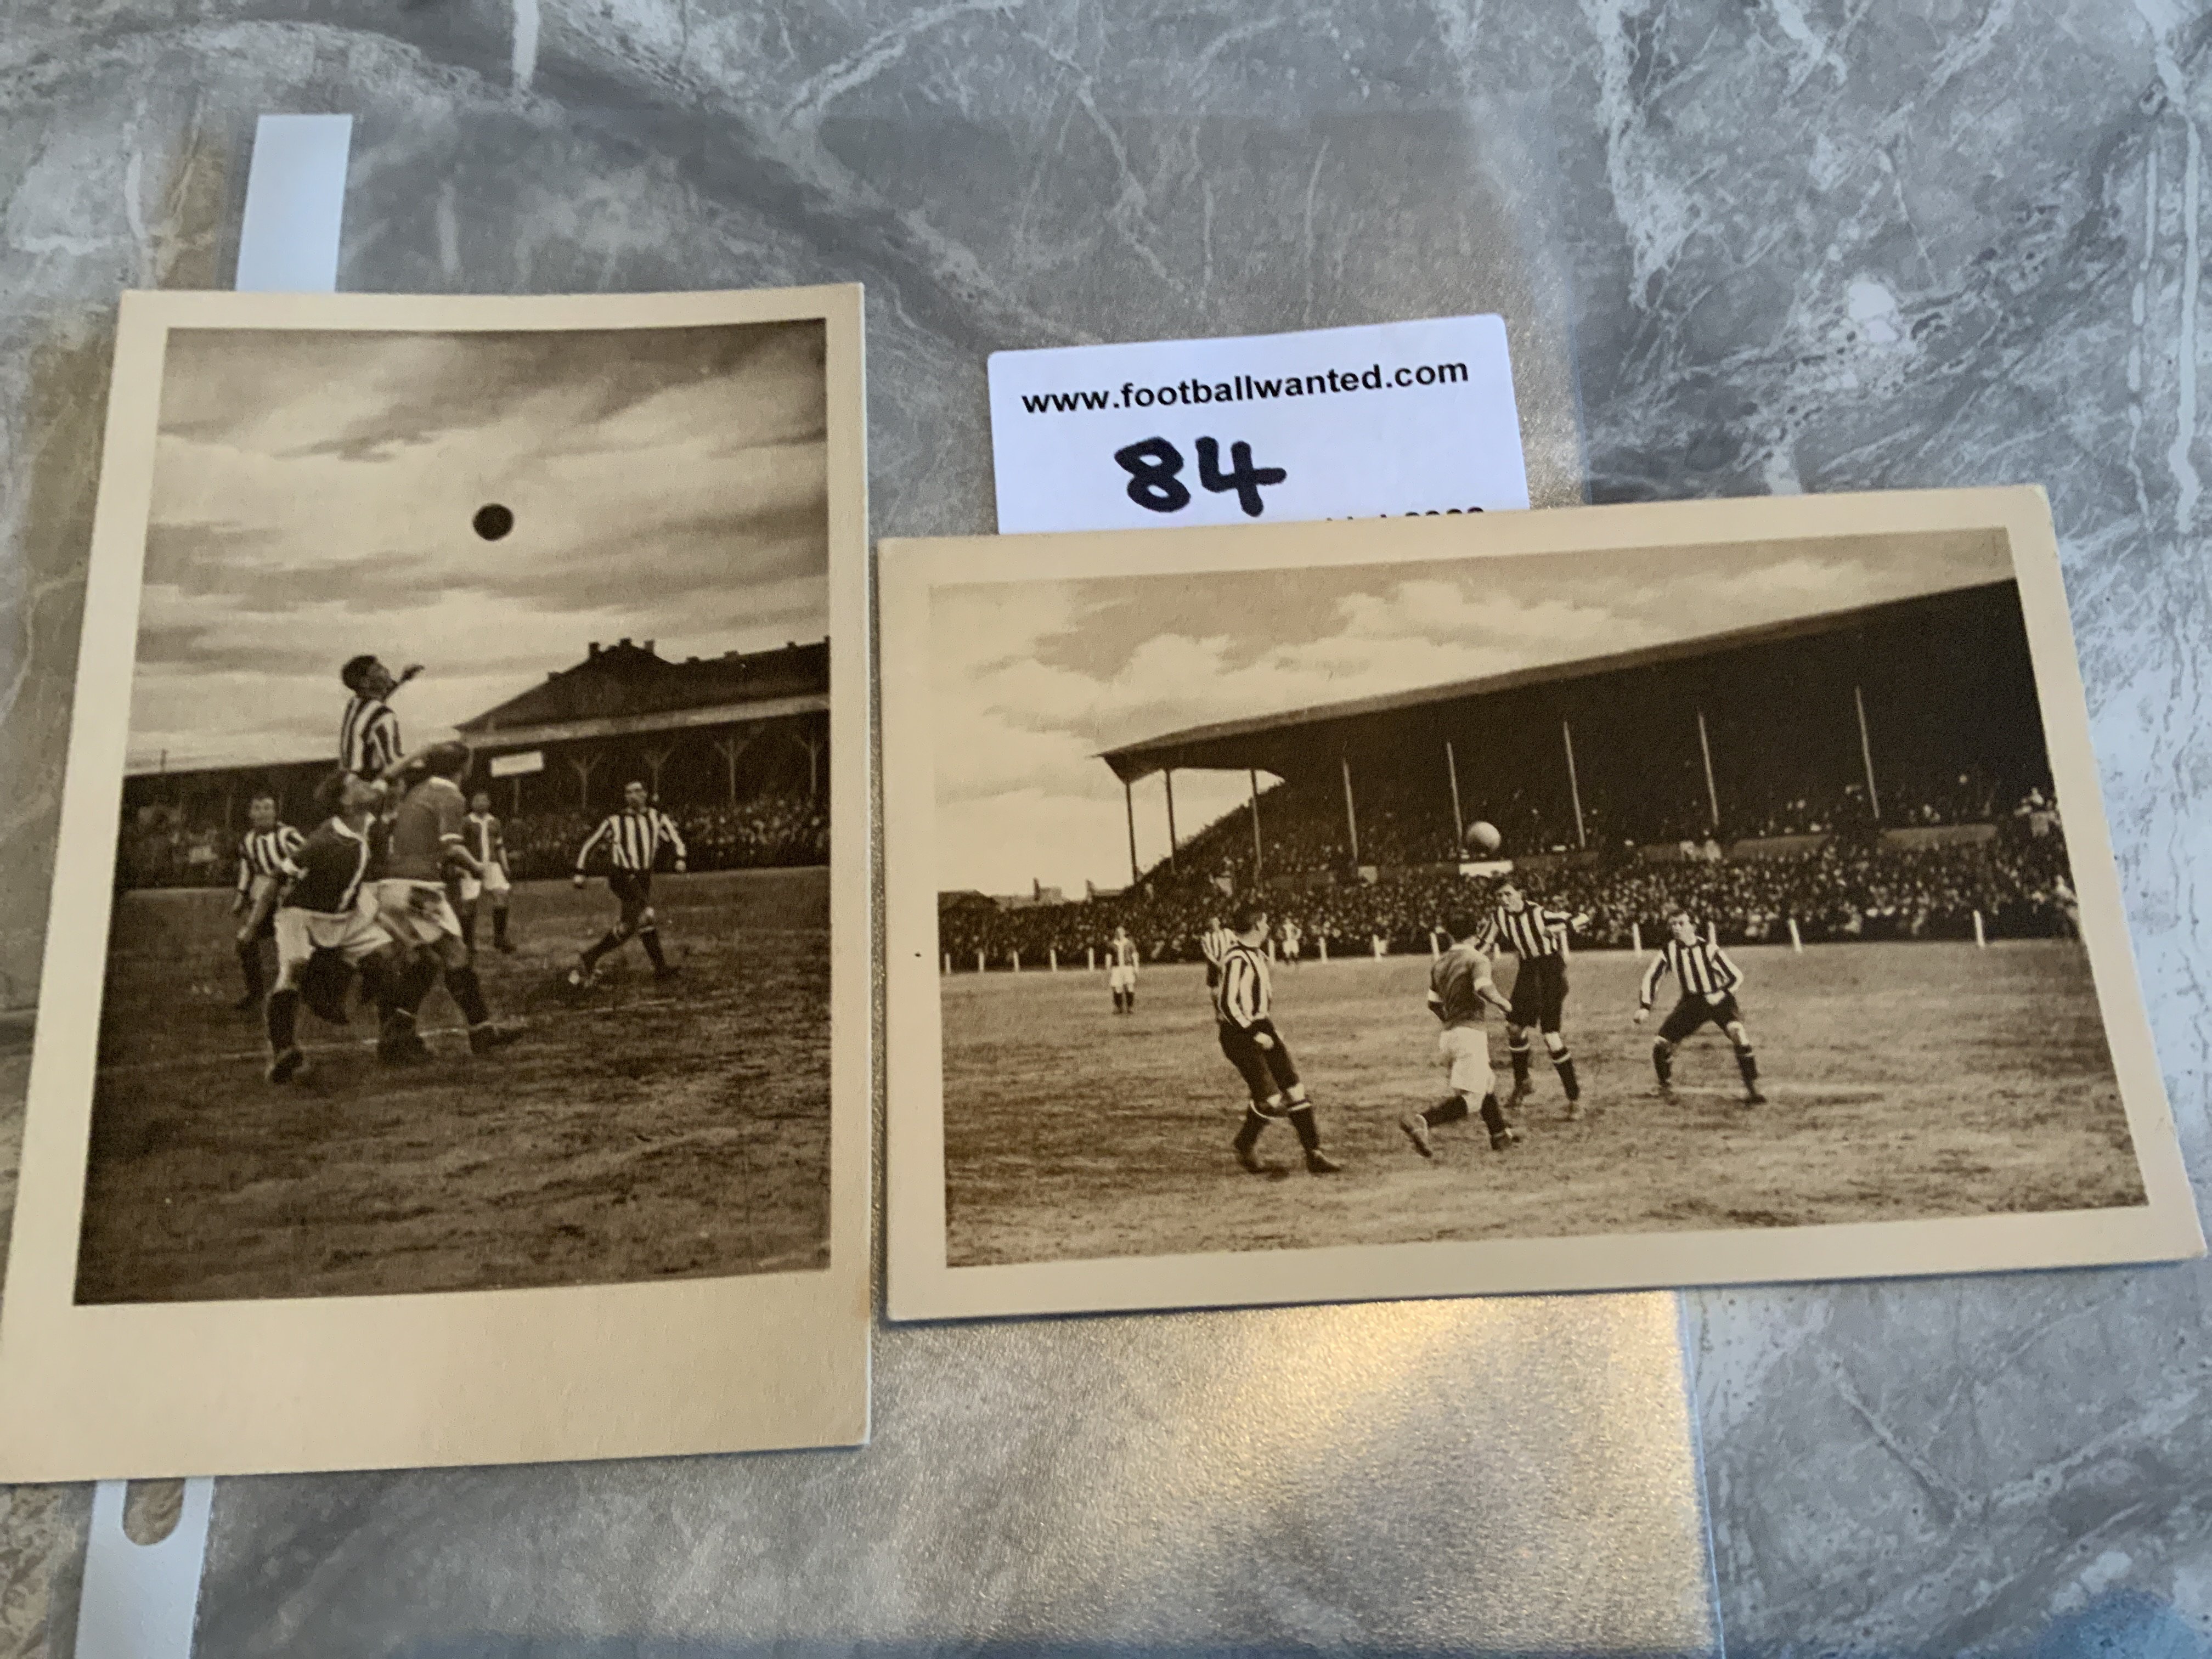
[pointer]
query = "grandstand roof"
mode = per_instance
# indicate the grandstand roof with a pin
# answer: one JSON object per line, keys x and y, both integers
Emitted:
{"x": 626, "y": 687}
{"x": 1224, "y": 744}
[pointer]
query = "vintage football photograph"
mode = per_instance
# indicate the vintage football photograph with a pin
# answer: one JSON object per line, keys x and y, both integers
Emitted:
{"x": 471, "y": 922}
{"x": 1618, "y": 891}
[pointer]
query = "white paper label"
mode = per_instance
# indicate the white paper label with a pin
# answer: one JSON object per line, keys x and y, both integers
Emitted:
{"x": 1331, "y": 423}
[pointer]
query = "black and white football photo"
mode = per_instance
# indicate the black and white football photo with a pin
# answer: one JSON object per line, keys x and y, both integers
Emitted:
{"x": 471, "y": 921}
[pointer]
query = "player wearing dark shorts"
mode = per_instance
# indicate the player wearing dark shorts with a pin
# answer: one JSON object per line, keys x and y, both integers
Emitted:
{"x": 634, "y": 836}
{"x": 1248, "y": 1035}
{"x": 1708, "y": 979}
{"x": 1539, "y": 937}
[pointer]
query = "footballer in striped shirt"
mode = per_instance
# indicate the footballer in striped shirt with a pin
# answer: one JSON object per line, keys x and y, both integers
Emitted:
{"x": 1539, "y": 937}
{"x": 1243, "y": 1010}
{"x": 1708, "y": 981}
{"x": 264, "y": 864}
{"x": 634, "y": 837}
{"x": 368, "y": 731}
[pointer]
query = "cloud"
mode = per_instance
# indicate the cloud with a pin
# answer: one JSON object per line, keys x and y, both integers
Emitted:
{"x": 314, "y": 493}
{"x": 1033, "y": 680}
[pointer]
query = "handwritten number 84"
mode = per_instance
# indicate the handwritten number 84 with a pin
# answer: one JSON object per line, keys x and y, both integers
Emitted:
{"x": 1154, "y": 463}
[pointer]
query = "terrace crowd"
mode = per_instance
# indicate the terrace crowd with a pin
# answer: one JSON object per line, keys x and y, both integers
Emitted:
{"x": 1846, "y": 889}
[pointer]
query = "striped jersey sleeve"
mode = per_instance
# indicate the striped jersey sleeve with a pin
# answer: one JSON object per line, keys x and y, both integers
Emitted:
{"x": 583, "y": 854}
{"x": 668, "y": 831}
{"x": 1657, "y": 971}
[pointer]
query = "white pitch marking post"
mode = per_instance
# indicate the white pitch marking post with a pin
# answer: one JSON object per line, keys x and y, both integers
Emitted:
{"x": 948, "y": 963}
{"x": 1797, "y": 940}
{"x": 1379, "y": 944}
{"x": 1323, "y": 942}
{"x": 1052, "y": 959}
{"x": 1636, "y": 937}
{"x": 1091, "y": 957}
{"x": 1433, "y": 952}
{"x": 1015, "y": 957}
{"x": 1981, "y": 939}
{"x": 979, "y": 962}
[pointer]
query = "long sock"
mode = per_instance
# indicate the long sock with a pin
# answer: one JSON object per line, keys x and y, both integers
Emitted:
{"x": 610, "y": 940}
{"x": 1747, "y": 1063}
{"x": 249, "y": 964}
{"x": 1249, "y": 1133}
{"x": 1449, "y": 1109}
{"x": 376, "y": 982}
{"x": 1309, "y": 1128}
{"x": 1520, "y": 1065}
{"x": 1564, "y": 1063}
{"x": 283, "y": 1015}
{"x": 1493, "y": 1118}
{"x": 469, "y": 927}
{"x": 416, "y": 983}
{"x": 650, "y": 938}
{"x": 499, "y": 924}
{"x": 1663, "y": 1062}
{"x": 462, "y": 985}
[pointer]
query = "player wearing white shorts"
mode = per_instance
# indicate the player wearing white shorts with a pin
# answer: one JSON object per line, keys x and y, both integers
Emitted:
{"x": 412, "y": 905}
{"x": 487, "y": 844}
{"x": 327, "y": 911}
{"x": 1461, "y": 992}
{"x": 1122, "y": 971}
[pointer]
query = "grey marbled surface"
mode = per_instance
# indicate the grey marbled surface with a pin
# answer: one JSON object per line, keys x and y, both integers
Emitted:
{"x": 1517, "y": 1475}
{"x": 1775, "y": 244}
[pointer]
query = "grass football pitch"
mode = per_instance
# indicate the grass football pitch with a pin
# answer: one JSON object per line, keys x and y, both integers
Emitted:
{"x": 1904, "y": 1081}
{"x": 638, "y": 1131}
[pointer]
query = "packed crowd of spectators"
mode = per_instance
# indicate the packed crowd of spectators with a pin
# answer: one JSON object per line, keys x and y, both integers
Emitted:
{"x": 1846, "y": 889}
{"x": 1303, "y": 827}
{"x": 769, "y": 831}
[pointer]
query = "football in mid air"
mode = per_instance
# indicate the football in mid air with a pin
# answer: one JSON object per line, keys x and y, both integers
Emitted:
{"x": 1484, "y": 836}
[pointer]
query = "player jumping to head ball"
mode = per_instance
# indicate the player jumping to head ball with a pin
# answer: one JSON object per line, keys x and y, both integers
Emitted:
{"x": 1248, "y": 1035}
{"x": 368, "y": 731}
{"x": 1539, "y": 937}
{"x": 1460, "y": 991}
{"x": 1122, "y": 971}
{"x": 634, "y": 836}
{"x": 1709, "y": 981}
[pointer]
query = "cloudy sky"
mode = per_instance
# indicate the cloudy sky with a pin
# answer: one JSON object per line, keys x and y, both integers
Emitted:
{"x": 1033, "y": 679}
{"x": 314, "y": 493}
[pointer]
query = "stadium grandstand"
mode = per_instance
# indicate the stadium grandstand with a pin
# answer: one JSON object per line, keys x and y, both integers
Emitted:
{"x": 735, "y": 748}
{"x": 1875, "y": 772}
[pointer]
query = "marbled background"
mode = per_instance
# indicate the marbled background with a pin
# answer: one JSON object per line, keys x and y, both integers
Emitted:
{"x": 1744, "y": 245}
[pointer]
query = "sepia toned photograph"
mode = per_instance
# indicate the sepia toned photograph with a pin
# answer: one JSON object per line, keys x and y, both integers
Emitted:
{"x": 468, "y": 916}
{"x": 1470, "y": 894}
